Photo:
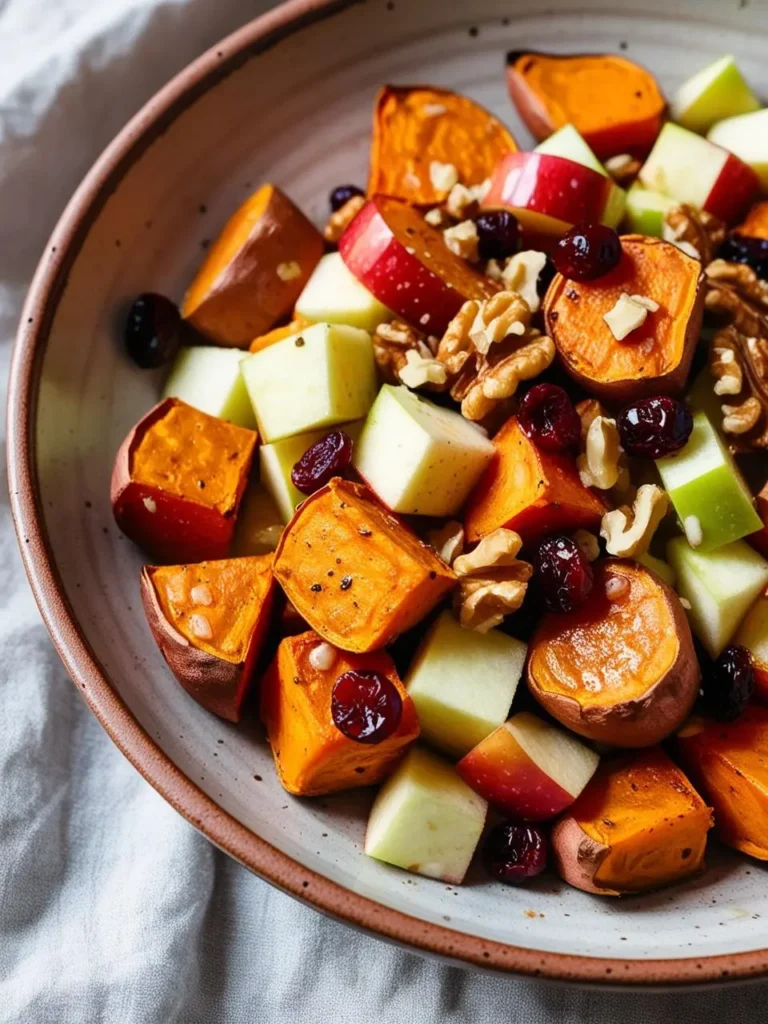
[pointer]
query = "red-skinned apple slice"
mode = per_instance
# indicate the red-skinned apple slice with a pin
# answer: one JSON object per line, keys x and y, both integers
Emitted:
{"x": 753, "y": 634}
{"x": 406, "y": 264}
{"x": 529, "y": 769}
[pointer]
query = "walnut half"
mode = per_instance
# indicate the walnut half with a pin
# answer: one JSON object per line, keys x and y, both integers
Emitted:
{"x": 492, "y": 581}
{"x": 629, "y": 533}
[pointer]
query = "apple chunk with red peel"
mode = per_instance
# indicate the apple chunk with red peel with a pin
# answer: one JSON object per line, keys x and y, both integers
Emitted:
{"x": 406, "y": 264}
{"x": 529, "y": 769}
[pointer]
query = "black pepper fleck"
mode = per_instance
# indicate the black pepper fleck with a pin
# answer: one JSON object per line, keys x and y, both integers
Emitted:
{"x": 299, "y": 343}
{"x": 316, "y": 587}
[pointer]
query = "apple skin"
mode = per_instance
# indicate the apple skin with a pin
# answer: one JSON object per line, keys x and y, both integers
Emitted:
{"x": 734, "y": 190}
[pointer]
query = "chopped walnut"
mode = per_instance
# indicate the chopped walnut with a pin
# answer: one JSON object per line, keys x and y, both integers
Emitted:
{"x": 492, "y": 581}
{"x": 628, "y": 313}
{"x": 462, "y": 202}
{"x": 442, "y": 176}
{"x": 696, "y": 232}
{"x": 503, "y": 314}
{"x": 740, "y": 419}
{"x": 629, "y": 533}
{"x": 448, "y": 541}
{"x": 438, "y": 218}
{"x": 462, "y": 239}
{"x": 588, "y": 409}
{"x": 493, "y": 270}
{"x": 339, "y": 221}
{"x": 501, "y": 372}
{"x": 599, "y": 465}
{"x": 420, "y": 371}
{"x": 623, "y": 168}
{"x": 391, "y": 344}
{"x": 738, "y": 276}
{"x": 588, "y": 544}
{"x": 521, "y": 274}
{"x": 725, "y": 367}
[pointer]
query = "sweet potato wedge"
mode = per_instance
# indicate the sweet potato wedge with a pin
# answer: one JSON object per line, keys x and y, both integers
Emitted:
{"x": 255, "y": 270}
{"x": 414, "y": 126}
{"x": 177, "y": 482}
{"x": 312, "y": 756}
{"x": 621, "y": 670}
{"x": 653, "y": 359}
{"x": 354, "y": 571}
{"x": 638, "y": 825}
{"x": 755, "y": 224}
{"x": 210, "y": 622}
{"x": 529, "y": 491}
{"x": 615, "y": 104}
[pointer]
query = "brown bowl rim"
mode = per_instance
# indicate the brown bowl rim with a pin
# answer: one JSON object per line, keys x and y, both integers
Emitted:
{"x": 91, "y": 678}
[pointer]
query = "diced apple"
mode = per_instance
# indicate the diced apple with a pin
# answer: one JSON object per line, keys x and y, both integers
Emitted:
{"x": 645, "y": 211}
{"x": 693, "y": 170}
{"x": 209, "y": 379}
{"x": 323, "y": 376}
{"x": 719, "y": 586}
{"x": 463, "y": 683}
{"x": 753, "y": 634}
{"x": 425, "y": 819}
{"x": 333, "y": 295}
{"x": 529, "y": 769}
{"x": 662, "y": 569}
{"x": 418, "y": 457}
{"x": 746, "y": 136}
{"x": 715, "y": 92}
{"x": 259, "y": 523}
{"x": 704, "y": 481}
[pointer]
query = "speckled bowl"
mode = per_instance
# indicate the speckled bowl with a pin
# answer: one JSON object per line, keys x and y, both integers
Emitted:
{"x": 288, "y": 98}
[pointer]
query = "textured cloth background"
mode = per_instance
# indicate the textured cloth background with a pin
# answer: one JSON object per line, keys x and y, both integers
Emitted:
{"x": 112, "y": 908}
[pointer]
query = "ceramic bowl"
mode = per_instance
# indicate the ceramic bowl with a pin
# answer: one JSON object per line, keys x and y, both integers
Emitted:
{"x": 288, "y": 98}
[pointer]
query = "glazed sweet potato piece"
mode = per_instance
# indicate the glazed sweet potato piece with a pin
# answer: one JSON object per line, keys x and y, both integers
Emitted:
{"x": 210, "y": 622}
{"x": 298, "y": 323}
{"x": 654, "y": 358}
{"x": 638, "y": 825}
{"x": 616, "y": 105}
{"x": 255, "y": 270}
{"x": 530, "y": 491}
{"x": 621, "y": 669}
{"x": 354, "y": 571}
{"x": 178, "y": 480}
{"x": 414, "y": 126}
{"x": 755, "y": 224}
{"x": 311, "y": 755}
{"x": 728, "y": 761}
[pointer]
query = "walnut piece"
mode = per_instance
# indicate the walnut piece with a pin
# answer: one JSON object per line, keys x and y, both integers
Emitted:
{"x": 629, "y": 533}
{"x": 503, "y": 314}
{"x": 588, "y": 409}
{"x": 391, "y": 344}
{"x": 696, "y": 232}
{"x": 492, "y": 581}
{"x": 422, "y": 371}
{"x": 599, "y": 465}
{"x": 588, "y": 544}
{"x": 443, "y": 176}
{"x": 623, "y": 168}
{"x": 438, "y": 218}
{"x": 462, "y": 239}
{"x": 339, "y": 221}
{"x": 501, "y": 373}
{"x": 629, "y": 313}
{"x": 521, "y": 274}
{"x": 448, "y": 541}
{"x": 462, "y": 202}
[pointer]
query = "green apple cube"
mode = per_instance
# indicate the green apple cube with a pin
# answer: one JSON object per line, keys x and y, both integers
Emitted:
{"x": 683, "y": 165}
{"x": 426, "y": 819}
{"x": 319, "y": 377}
{"x": 568, "y": 143}
{"x": 662, "y": 569}
{"x": 645, "y": 211}
{"x": 702, "y": 398}
{"x": 462, "y": 684}
{"x": 334, "y": 295}
{"x": 716, "y": 92}
{"x": 703, "y": 480}
{"x": 209, "y": 378}
{"x": 746, "y": 136}
{"x": 418, "y": 457}
{"x": 259, "y": 524}
{"x": 719, "y": 585}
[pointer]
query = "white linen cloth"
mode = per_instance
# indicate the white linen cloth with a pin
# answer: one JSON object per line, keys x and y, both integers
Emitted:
{"x": 112, "y": 908}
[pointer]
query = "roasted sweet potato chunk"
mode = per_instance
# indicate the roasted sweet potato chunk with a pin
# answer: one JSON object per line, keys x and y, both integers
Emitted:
{"x": 210, "y": 622}
{"x": 177, "y": 482}
{"x": 311, "y": 755}
{"x": 354, "y": 571}
{"x": 755, "y": 224}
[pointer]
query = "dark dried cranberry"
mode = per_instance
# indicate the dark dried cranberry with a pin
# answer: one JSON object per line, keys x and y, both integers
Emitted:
{"x": 342, "y": 194}
{"x": 562, "y": 574}
{"x": 365, "y": 706}
{"x": 653, "y": 428}
{"x": 498, "y": 234}
{"x": 745, "y": 249}
{"x": 547, "y": 417}
{"x": 546, "y": 276}
{"x": 727, "y": 684}
{"x": 513, "y": 852}
{"x": 587, "y": 251}
{"x": 325, "y": 459}
{"x": 152, "y": 330}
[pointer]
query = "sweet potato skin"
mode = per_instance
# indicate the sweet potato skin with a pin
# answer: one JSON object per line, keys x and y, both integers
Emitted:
{"x": 577, "y": 856}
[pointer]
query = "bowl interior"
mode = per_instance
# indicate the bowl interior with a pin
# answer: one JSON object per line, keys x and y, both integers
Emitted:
{"x": 299, "y": 114}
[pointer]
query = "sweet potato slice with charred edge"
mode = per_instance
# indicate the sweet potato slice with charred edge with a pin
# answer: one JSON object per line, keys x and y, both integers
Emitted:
{"x": 616, "y": 105}
{"x": 353, "y": 570}
{"x": 653, "y": 359}
{"x": 529, "y": 491}
{"x": 638, "y": 825}
{"x": 416, "y": 125}
{"x": 177, "y": 482}
{"x": 755, "y": 224}
{"x": 255, "y": 270}
{"x": 312, "y": 756}
{"x": 210, "y": 622}
{"x": 622, "y": 671}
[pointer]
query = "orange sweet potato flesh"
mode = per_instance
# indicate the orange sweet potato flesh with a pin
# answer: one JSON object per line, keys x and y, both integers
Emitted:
{"x": 178, "y": 480}
{"x": 615, "y": 104}
{"x": 653, "y": 359}
{"x": 529, "y": 491}
{"x": 311, "y": 756}
{"x": 416, "y": 125}
{"x": 298, "y": 323}
{"x": 353, "y": 570}
{"x": 638, "y": 825}
{"x": 255, "y": 270}
{"x": 619, "y": 671}
{"x": 755, "y": 224}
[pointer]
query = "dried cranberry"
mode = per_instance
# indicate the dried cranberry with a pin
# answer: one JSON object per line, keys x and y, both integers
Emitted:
{"x": 562, "y": 573}
{"x": 365, "y": 706}
{"x": 513, "y": 852}
{"x": 653, "y": 428}
{"x": 547, "y": 417}
{"x": 152, "y": 330}
{"x": 342, "y": 194}
{"x": 745, "y": 249}
{"x": 326, "y": 458}
{"x": 546, "y": 276}
{"x": 587, "y": 251}
{"x": 498, "y": 234}
{"x": 727, "y": 684}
